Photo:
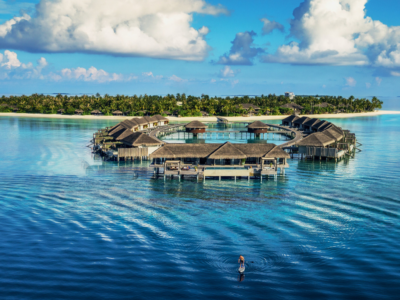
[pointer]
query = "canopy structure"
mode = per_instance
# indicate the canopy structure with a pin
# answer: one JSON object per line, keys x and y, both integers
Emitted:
{"x": 219, "y": 151}
{"x": 196, "y": 125}
{"x": 227, "y": 151}
{"x": 258, "y": 125}
{"x": 290, "y": 120}
{"x": 136, "y": 139}
{"x": 318, "y": 139}
{"x": 293, "y": 106}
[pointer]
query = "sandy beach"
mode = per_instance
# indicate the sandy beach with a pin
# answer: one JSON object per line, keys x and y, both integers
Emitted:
{"x": 206, "y": 119}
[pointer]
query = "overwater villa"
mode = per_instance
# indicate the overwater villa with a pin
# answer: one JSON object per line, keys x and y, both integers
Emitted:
{"x": 289, "y": 121}
{"x": 219, "y": 160}
{"x": 257, "y": 128}
{"x": 196, "y": 127}
{"x": 325, "y": 140}
{"x": 114, "y": 141}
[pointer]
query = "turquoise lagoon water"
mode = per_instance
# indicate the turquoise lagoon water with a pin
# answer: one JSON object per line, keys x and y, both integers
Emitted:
{"x": 75, "y": 227}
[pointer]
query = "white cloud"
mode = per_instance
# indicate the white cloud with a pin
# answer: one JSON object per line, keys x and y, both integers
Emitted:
{"x": 394, "y": 73}
{"x": 156, "y": 28}
{"x": 338, "y": 32}
{"x": 12, "y": 68}
{"x": 151, "y": 75}
{"x": 368, "y": 85}
{"x": 91, "y": 74}
{"x": 235, "y": 82}
{"x": 350, "y": 81}
{"x": 213, "y": 81}
{"x": 228, "y": 72}
{"x": 270, "y": 26}
{"x": 177, "y": 79}
{"x": 324, "y": 86}
{"x": 378, "y": 80}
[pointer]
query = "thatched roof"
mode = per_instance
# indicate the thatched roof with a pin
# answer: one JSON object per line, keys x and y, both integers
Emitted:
{"x": 60, "y": 110}
{"x": 317, "y": 139}
{"x": 204, "y": 113}
{"x": 337, "y": 129}
{"x": 323, "y": 105}
{"x": 291, "y": 119}
{"x": 325, "y": 126}
{"x": 320, "y": 124}
{"x": 227, "y": 151}
{"x": 333, "y": 134}
{"x": 185, "y": 151}
{"x": 150, "y": 119}
{"x": 293, "y": 106}
{"x": 276, "y": 152}
{"x": 257, "y": 124}
{"x": 96, "y": 111}
{"x": 247, "y": 106}
{"x": 196, "y": 125}
{"x": 122, "y": 134}
{"x": 312, "y": 122}
{"x": 302, "y": 120}
{"x": 160, "y": 118}
{"x": 117, "y": 112}
{"x": 117, "y": 131}
{"x": 218, "y": 151}
{"x": 78, "y": 111}
{"x": 140, "y": 121}
{"x": 140, "y": 139}
{"x": 130, "y": 124}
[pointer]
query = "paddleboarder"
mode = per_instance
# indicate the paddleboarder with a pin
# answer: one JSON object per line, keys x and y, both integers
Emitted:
{"x": 241, "y": 264}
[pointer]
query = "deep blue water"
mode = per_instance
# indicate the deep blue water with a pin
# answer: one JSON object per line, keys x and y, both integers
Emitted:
{"x": 74, "y": 227}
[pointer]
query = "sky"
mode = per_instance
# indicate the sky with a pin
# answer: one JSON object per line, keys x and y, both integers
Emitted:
{"x": 226, "y": 47}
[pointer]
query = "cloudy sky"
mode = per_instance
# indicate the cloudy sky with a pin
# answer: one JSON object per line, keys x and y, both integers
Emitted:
{"x": 225, "y": 47}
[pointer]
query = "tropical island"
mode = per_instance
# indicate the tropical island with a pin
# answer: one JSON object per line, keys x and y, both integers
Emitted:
{"x": 180, "y": 105}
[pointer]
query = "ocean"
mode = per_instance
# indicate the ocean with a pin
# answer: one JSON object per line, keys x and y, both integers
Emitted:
{"x": 75, "y": 227}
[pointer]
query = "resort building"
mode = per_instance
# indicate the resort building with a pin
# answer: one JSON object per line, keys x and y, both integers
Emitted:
{"x": 257, "y": 128}
{"x": 250, "y": 108}
{"x": 299, "y": 123}
{"x": 78, "y": 112}
{"x": 289, "y": 95}
{"x": 293, "y": 106}
{"x": 118, "y": 113}
{"x": 219, "y": 160}
{"x": 289, "y": 121}
{"x": 307, "y": 126}
{"x": 96, "y": 112}
{"x": 196, "y": 127}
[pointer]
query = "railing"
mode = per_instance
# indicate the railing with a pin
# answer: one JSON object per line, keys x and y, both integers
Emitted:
{"x": 319, "y": 151}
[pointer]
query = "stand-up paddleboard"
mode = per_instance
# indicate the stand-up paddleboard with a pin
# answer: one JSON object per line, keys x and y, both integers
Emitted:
{"x": 241, "y": 269}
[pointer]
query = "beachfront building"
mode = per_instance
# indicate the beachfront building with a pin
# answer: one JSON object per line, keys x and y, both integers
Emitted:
{"x": 293, "y": 106}
{"x": 257, "y": 128}
{"x": 289, "y": 95}
{"x": 250, "y": 108}
{"x": 196, "y": 127}
{"x": 118, "y": 113}
{"x": 219, "y": 160}
{"x": 96, "y": 112}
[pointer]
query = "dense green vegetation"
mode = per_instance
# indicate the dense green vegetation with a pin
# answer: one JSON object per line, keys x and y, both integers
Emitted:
{"x": 190, "y": 105}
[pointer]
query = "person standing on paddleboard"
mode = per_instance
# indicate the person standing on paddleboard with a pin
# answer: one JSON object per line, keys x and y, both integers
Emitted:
{"x": 241, "y": 262}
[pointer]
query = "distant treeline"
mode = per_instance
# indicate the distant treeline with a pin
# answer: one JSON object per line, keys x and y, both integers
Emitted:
{"x": 183, "y": 105}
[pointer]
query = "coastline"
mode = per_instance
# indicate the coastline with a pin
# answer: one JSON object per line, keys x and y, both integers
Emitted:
{"x": 206, "y": 119}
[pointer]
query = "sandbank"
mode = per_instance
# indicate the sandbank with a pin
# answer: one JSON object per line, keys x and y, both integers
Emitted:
{"x": 205, "y": 119}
